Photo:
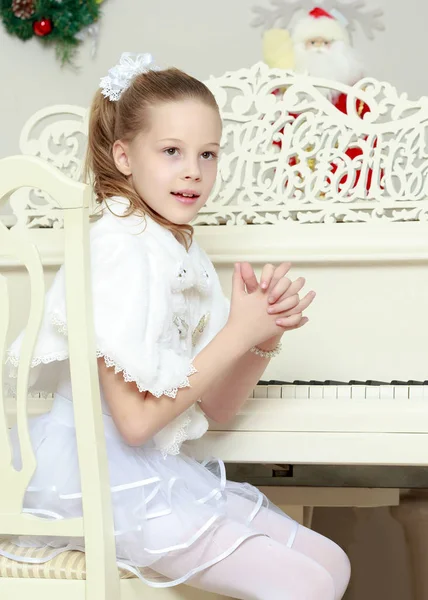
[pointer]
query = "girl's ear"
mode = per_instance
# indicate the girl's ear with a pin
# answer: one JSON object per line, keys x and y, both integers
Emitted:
{"x": 120, "y": 157}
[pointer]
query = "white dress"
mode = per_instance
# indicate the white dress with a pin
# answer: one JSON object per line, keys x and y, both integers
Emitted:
{"x": 155, "y": 307}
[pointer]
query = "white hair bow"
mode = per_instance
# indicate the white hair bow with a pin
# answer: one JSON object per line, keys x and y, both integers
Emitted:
{"x": 120, "y": 76}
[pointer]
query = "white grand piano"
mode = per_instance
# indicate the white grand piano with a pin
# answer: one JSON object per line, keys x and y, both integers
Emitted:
{"x": 341, "y": 417}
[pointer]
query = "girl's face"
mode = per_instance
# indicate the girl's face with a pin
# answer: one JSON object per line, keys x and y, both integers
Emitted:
{"x": 173, "y": 164}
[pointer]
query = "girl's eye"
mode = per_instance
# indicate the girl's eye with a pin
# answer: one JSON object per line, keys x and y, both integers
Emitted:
{"x": 171, "y": 151}
{"x": 209, "y": 155}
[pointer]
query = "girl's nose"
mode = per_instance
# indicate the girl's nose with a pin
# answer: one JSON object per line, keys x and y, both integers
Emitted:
{"x": 192, "y": 171}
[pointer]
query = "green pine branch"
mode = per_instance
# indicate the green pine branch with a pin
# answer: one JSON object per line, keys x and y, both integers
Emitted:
{"x": 68, "y": 18}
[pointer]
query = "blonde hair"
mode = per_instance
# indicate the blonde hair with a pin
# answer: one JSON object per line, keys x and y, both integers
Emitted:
{"x": 123, "y": 120}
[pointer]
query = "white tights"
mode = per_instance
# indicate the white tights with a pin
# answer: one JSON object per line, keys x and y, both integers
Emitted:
{"x": 265, "y": 568}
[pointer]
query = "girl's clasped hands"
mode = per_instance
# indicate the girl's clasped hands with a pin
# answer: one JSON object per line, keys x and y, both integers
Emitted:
{"x": 265, "y": 310}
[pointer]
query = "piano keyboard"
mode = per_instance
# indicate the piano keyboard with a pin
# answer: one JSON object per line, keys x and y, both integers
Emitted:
{"x": 325, "y": 422}
{"x": 332, "y": 390}
{"x": 329, "y": 390}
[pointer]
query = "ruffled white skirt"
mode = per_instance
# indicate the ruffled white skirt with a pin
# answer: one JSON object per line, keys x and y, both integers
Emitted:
{"x": 160, "y": 505}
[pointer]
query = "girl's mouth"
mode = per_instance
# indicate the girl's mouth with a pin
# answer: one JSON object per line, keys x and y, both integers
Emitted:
{"x": 185, "y": 197}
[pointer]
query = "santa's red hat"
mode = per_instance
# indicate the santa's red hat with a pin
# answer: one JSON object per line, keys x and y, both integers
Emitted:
{"x": 318, "y": 23}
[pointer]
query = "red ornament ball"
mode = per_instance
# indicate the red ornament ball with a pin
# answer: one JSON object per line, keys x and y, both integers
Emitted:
{"x": 42, "y": 27}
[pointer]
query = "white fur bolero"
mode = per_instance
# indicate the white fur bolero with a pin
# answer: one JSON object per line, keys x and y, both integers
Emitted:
{"x": 155, "y": 307}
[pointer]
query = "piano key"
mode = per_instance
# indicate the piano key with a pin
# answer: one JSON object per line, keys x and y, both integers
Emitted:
{"x": 302, "y": 392}
{"x": 386, "y": 392}
{"x": 344, "y": 392}
{"x": 374, "y": 382}
{"x": 288, "y": 392}
{"x": 274, "y": 391}
{"x": 372, "y": 392}
{"x": 416, "y": 392}
{"x": 358, "y": 392}
{"x": 332, "y": 382}
{"x": 261, "y": 391}
{"x": 316, "y": 392}
{"x": 330, "y": 392}
{"x": 401, "y": 392}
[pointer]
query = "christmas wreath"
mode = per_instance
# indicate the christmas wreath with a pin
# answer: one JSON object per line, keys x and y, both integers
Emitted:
{"x": 62, "y": 23}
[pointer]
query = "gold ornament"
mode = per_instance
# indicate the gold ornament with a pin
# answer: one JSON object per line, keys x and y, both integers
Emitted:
{"x": 199, "y": 329}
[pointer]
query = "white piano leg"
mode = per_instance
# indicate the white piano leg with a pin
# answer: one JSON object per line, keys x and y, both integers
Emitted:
{"x": 295, "y": 512}
{"x": 412, "y": 514}
{"x": 301, "y": 514}
{"x": 308, "y": 513}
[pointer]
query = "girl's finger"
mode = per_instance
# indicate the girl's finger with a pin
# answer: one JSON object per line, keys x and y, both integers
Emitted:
{"x": 266, "y": 277}
{"x": 279, "y": 290}
{"x": 237, "y": 281}
{"x": 291, "y": 321}
{"x": 284, "y": 305}
{"x": 280, "y": 272}
{"x": 303, "y": 321}
{"x": 295, "y": 287}
{"x": 249, "y": 277}
{"x": 302, "y": 305}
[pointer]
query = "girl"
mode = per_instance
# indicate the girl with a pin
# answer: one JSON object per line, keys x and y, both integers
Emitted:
{"x": 171, "y": 351}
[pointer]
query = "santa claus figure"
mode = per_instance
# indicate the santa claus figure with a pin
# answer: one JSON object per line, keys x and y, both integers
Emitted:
{"x": 318, "y": 44}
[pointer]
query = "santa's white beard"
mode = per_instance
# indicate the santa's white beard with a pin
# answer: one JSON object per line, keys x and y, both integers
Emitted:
{"x": 338, "y": 62}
